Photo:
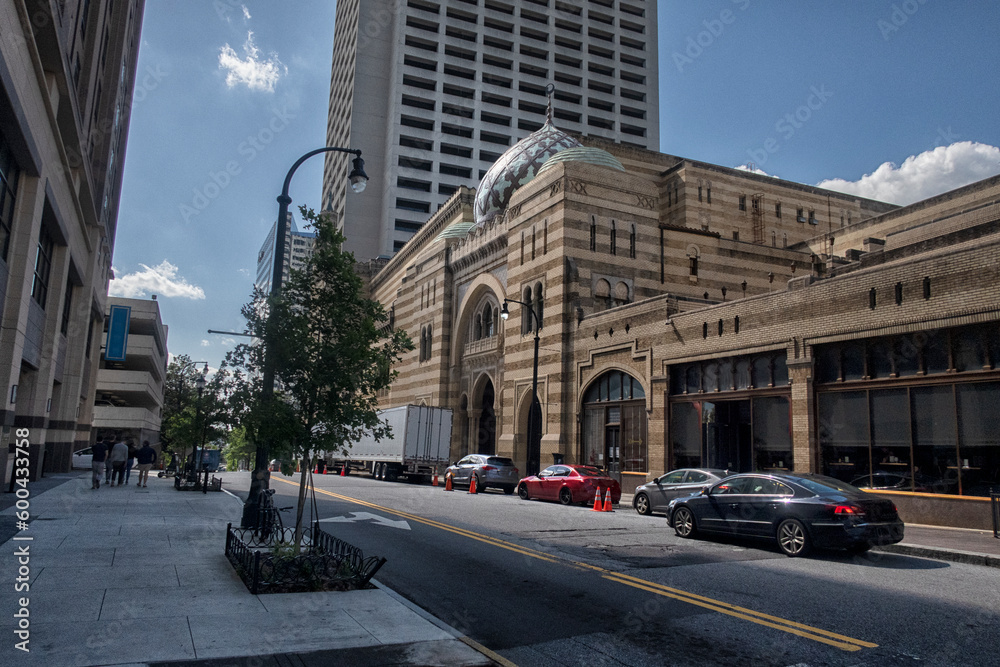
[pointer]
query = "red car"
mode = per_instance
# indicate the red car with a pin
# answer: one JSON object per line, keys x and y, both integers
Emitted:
{"x": 569, "y": 484}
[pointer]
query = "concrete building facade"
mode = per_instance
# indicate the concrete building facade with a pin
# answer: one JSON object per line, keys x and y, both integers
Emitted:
{"x": 434, "y": 91}
{"x": 129, "y": 397}
{"x": 698, "y": 315}
{"x": 67, "y": 73}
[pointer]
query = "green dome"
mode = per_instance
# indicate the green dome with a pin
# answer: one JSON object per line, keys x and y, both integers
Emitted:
{"x": 586, "y": 154}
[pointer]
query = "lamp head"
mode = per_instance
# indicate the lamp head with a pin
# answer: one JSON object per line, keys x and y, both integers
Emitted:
{"x": 504, "y": 313}
{"x": 358, "y": 177}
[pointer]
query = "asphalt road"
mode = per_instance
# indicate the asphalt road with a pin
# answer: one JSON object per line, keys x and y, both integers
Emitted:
{"x": 543, "y": 584}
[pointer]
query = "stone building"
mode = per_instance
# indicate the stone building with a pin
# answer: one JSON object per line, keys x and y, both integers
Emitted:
{"x": 67, "y": 74}
{"x": 693, "y": 314}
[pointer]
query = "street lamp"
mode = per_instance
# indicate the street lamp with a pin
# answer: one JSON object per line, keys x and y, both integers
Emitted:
{"x": 535, "y": 411}
{"x": 359, "y": 180}
{"x": 199, "y": 384}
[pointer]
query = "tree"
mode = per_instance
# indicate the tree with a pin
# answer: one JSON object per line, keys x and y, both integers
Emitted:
{"x": 332, "y": 351}
{"x": 188, "y": 420}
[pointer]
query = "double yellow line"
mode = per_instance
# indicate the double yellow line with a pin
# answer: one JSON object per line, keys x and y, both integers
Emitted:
{"x": 839, "y": 641}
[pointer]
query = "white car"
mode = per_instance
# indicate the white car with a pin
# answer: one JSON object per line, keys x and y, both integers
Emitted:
{"x": 83, "y": 458}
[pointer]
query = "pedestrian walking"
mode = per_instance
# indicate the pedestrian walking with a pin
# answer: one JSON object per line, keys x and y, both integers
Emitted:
{"x": 130, "y": 461}
{"x": 100, "y": 452}
{"x": 145, "y": 457}
{"x": 118, "y": 457}
{"x": 110, "y": 442}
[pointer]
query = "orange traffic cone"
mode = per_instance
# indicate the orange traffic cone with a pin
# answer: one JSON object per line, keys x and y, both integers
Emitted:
{"x": 597, "y": 501}
{"x": 434, "y": 480}
{"x": 447, "y": 483}
{"x": 607, "y": 502}
{"x": 472, "y": 485}
{"x": 343, "y": 470}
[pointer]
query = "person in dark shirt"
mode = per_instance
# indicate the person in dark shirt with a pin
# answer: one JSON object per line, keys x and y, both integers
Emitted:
{"x": 145, "y": 457}
{"x": 100, "y": 450}
{"x": 130, "y": 461}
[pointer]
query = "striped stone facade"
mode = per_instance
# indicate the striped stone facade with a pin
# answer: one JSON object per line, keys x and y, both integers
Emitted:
{"x": 701, "y": 290}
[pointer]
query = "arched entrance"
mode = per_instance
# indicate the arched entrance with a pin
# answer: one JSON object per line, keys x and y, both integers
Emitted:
{"x": 486, "y": 429}
{"x": 614, "y": 425}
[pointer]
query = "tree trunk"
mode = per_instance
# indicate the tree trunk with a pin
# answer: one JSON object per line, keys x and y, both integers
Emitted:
{"x": 302, "y": 503}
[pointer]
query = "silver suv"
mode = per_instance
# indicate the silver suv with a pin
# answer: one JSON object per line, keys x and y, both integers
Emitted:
{"x": 498, "y": 472}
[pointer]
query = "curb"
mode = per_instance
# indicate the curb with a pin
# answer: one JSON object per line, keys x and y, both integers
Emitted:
{"x": 952, "y": 555}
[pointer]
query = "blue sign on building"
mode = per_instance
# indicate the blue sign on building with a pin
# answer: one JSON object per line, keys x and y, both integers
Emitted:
{"x": 118, "y": 333}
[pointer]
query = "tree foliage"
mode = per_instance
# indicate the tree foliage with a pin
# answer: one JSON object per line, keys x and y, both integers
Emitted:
{"x": 332, "y": 351}
{"x": 187, "y": 419}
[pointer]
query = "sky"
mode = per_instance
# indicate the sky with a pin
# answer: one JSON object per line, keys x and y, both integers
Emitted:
{"x": 892, "y": 100}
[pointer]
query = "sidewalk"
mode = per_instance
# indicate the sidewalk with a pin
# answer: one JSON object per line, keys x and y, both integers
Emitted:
{"x": 128, "y": 576}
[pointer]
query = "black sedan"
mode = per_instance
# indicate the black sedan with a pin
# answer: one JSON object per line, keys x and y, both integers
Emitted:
{"x": 799, "y": 511}
{"x": 656, "y": 495}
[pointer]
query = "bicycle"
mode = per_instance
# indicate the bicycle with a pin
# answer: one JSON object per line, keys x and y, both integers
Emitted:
{"x": 269, "y": 517}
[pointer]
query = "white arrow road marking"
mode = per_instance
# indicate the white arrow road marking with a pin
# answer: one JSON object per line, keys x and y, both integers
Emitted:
{"x": 365, "y": 516}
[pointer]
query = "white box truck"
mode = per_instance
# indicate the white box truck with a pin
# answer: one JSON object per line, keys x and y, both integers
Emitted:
{"x": 419, "y": 446}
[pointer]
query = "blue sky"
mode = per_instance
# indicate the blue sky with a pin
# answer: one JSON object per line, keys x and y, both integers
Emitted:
{"x": 897, "y": 99}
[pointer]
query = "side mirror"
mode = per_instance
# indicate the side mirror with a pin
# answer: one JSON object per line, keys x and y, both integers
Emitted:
{"x": 704, "y": 490}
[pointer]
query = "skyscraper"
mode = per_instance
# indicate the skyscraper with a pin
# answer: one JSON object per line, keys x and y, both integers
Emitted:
{"x": 298, "y": 249}
{"x": 433, "y": 92}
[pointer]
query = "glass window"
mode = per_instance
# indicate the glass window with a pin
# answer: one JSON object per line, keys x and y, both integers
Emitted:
{"x": 685, "y": 434}
{"x": 828, "y": 363}
{"x": 780, "y": 377}
{"x": 743, "y": 374}
{"x": 695, "y": 476}
{"x": 843, "y": 434}
{"x": 726, "y": 375}
{"x": 675, "y": 477}
{"x": 593, "y": 435}
{"x": 905, "y": 357}
{"x": 733, "y": 486}
{"x": 693, "y": 379}
{"x": 978, "y": 426}
{"x": 772, "y": 435}
{"x": 853, "y": 361}
{"x": 968, "y": 350}
{"x": 890, "y": 417}
{"x": 935, "y": 352}
{"x": 761, "y": 372}
{"x": 710, "y": 377}
{"x": 879, "y": 358}
{"x": 934, "y": 448}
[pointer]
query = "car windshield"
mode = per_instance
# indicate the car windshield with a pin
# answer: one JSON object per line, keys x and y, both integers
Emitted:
{"x": 823, "y": 485}
{"x": 499, "y": 461}
{"x": 586, "y": 471}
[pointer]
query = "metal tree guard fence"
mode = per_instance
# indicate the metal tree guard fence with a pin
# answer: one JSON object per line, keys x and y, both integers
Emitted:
{"x": 995, "y": 508}
{"x": 267, "y": 565}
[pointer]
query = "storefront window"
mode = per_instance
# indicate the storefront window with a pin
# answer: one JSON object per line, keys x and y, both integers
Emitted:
{"x": 772, "y": 436}
{"x": 934, "y": 447}
{"x": 890, "y": 417}
{"x": 685, "y": 434}
{"x": 843, "y": 435}
{"x": 978, "y": 432}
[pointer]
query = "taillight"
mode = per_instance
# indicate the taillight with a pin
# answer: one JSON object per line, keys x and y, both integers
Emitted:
{"x": 850, "y": 510}
{"x": 488, "y": 468}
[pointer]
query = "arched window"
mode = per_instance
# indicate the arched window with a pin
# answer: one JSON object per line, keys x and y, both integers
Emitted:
{"x": 613, "y": 244}
{"x": 631, "y": 242}
{"x": 545, "y": 237}
{"x": 534, "y": 236}
{"x": 602, "y": 294}
{"x": 488, "y": 321}
{"x": 615, "y": 423}
{"x": 593, "y": 233}
{"x": 477, "y": 331}
{"x": 621, "y": 294}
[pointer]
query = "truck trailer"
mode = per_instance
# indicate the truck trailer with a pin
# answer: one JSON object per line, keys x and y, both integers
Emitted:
{"x": 419, "y": 446}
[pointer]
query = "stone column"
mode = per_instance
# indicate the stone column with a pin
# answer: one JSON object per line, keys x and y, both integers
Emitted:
{"x": 804, "y": 445}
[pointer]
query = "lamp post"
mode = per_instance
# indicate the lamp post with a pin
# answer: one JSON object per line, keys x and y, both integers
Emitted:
{"x": 359, "y": 180}
{"x": 535, "y": 411}
{"x": 200, "y": 386}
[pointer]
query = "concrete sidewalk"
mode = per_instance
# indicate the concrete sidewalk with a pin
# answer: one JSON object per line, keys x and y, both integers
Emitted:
{"x": 128, "y": 576}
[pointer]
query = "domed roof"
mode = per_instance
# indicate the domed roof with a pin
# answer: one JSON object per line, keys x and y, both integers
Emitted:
{"x": 516, "y": 167}
{"x": 587, "y": 154}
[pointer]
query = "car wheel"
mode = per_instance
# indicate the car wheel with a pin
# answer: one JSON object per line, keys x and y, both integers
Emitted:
{"x": 684, "y": 524}
{"x": 509, "y": 490}
{"x": 792, "y": 538}
{"x": 522, "y": 492}
{"x": 565, "y": 496}
{"x": 641, "y": 504}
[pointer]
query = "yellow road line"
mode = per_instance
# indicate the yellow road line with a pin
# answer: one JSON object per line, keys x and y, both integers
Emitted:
{"x": 808, "y": 632}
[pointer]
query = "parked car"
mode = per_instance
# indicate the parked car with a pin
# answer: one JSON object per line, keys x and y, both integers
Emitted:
{"x": 497, "y": 472}
{"x": 656, "y": 495}
{"x": 799, "y": 511}
{"x": 83, "y": 458}
{"x": 569, "y": 484}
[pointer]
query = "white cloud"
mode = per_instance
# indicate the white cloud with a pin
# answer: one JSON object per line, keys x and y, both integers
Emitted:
{"x": 925, "y": 175}
{"x": 753, "y": 169}
{"x": 205, "y": 343}
{"x": 257, "y": 74}
{"x": 161, "y": 280}
{"x": 246, "y": 12}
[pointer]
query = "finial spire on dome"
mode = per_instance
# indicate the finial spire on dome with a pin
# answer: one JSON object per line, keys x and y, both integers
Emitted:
{"x": 549, "y": 89}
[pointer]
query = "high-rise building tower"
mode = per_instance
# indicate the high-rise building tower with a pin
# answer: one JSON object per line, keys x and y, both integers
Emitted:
{"x": 433, "y": 92}
{"x": 298, "y": 249}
